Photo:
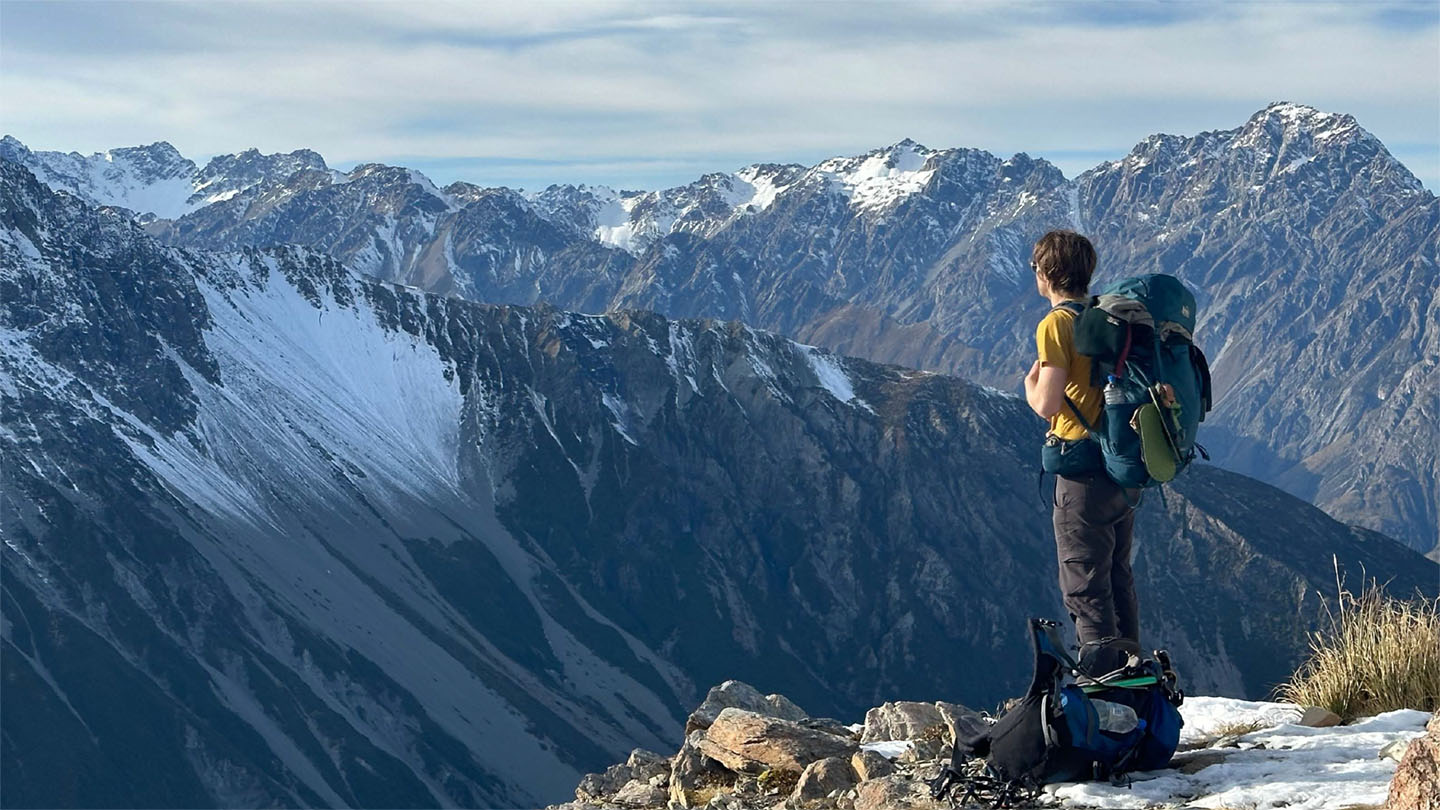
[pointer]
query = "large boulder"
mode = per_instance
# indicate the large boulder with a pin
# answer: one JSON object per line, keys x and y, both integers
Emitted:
{"x": 962, "y": 722}
{"x": 901, "y": 720}
{"x": 912, "y": 720}
{"x": 749, "y": 742}
{"x": 740, "y": 695}
{"x": 870, "y": 765}
{"x": 896, "y": 792}
{"x": 695, "y": 779}
{"x": 821, "y": 778}
{"x": 1416, "y": 784}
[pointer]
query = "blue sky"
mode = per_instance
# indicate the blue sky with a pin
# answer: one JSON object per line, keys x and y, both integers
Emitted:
{"x": 644, "y": 95}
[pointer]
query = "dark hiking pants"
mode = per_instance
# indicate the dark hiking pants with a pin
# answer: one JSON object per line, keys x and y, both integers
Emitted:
{"x": 1093, "y": 523}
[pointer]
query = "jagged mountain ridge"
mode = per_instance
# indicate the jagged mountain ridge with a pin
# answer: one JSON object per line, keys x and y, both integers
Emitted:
{"x": 342, "y": 542}
{"x": 156, "y": 180}
{"x": 919, "y": 256}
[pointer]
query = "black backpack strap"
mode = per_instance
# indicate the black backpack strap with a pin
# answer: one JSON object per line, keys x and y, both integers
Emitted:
{"x": 1076, "y": 308}
{"x": 1080, "y": 417}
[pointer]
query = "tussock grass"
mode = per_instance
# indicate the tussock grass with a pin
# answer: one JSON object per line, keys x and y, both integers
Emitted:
{"x": 1239, "y": 728}
{"x": 1378, "y": 653}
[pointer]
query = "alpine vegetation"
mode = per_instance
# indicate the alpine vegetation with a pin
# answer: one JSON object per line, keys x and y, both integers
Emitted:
{"x": 1375, "y": 653}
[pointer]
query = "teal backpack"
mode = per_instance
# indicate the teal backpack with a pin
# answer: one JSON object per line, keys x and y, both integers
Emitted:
{"x": 1139, "y": 336}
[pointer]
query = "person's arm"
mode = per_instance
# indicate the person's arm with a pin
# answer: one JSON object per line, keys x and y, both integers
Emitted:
{"x": 1045, "y": 384}
{"x": 1045, "y": 389}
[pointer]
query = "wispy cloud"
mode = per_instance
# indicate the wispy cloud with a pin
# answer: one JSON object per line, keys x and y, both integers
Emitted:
{"x": 522, "y": 93}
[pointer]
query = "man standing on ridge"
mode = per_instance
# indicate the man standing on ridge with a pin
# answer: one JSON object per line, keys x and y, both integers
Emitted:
{"x": 1093, "y": 516}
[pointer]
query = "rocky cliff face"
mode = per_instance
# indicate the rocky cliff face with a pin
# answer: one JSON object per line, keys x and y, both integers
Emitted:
{"x": 279, "y": 533}
{"x": 1314, "y": 256}
{"x": 1313, "y": 252}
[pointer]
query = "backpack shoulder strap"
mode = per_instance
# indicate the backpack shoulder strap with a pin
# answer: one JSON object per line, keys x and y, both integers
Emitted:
{"x": 1075, "y": 308}
{"x": 1079, "y": 417}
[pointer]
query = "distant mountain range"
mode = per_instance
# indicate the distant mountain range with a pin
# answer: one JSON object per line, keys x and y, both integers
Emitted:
{"x": 1313, "y": 253}
{"x": 278, "y": 533}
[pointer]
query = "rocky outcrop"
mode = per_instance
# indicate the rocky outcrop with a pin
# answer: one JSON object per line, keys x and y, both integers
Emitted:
{"x": 1416, "y": 785}
{"x": 750, "y": 760}
{"x": 738, "y": 695}
{"x": 1273, "y": 756}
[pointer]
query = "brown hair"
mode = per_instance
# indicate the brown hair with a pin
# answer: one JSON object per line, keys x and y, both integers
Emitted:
{"x": 1066, "y": 260}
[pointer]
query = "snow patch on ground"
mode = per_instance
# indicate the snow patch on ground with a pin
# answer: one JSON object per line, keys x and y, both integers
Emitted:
{"x": 762, "y": 189}
{"x": 619, "y": 409}
{"x": 832, "y": 377}
{"x": 890, "y": 749}
{"x": 1280, "y": 766}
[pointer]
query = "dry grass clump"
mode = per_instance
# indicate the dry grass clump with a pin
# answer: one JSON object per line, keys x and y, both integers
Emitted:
{"x": 1378, "y": 654}
{"x": 1239, "y": 728}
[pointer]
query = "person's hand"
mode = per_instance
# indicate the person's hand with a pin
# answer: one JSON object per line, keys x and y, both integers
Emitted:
{"x": 1034, "y": 376}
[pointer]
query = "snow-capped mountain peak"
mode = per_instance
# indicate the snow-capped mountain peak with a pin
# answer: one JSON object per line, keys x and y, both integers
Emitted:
{"x": 227, "y": 175}
{"x": 146, "y": 179}
{"x": 881, "y": 178}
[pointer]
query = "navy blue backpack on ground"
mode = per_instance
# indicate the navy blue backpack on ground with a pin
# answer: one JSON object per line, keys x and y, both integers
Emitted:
{"x": 1055, "y": 733}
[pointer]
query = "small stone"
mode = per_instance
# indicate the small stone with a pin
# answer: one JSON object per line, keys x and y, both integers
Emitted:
{"x": 921, "y": 750}
{"x": 725, "y": 801}
{"x": 646, "y": 764}
{"x": 870, "y": 765}
{"x": 783, "y": 707}
{"x": 822, "y": 778}
{"x": 638, "y": 793}
{"x": 600, "y": 786}
{"x": 1316, "y": 717}
{"x": 1395, "y": 750}
{"x": 829, "y": 726}
{"x": 1196, "y": 761}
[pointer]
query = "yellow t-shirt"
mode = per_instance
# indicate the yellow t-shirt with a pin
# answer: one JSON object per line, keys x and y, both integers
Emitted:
{"x": 1055, "y": 342}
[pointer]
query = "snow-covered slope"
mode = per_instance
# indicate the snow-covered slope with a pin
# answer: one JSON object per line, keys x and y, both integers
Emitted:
{"x": 633, "y": 220}
{"x": 154, "y": 179}
{"x": 290, "y": 523}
